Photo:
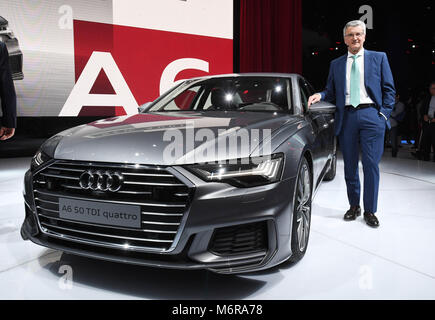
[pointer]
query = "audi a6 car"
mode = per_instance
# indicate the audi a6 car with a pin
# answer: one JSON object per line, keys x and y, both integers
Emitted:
{"x": 218, "y": 173}
{"x": 15, "y": 54}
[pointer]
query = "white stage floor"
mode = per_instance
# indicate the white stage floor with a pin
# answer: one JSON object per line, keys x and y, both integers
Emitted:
{"x": 345, "y": 260}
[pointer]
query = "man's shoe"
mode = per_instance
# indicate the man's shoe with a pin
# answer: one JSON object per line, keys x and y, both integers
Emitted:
{"x": 352, "y": 213}
{"x": 371, "y": 219}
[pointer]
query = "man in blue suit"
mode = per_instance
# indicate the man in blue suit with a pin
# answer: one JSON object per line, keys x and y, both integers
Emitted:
{"x": 7, "y": 96}
{"x": 362, "y": 87}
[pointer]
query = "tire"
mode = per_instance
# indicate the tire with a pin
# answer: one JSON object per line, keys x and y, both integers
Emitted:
{"x": 301, "y": 212}
{"x": 330, "y": 175}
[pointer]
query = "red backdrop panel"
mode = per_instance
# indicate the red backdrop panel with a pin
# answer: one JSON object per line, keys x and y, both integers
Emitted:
{"x": 143, "y": 54}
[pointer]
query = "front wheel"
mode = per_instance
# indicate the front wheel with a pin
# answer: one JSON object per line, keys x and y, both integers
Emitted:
{"x": 301, "y": 212}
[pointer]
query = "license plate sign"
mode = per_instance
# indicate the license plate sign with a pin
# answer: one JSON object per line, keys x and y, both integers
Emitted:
{"x": 120, "y": 215}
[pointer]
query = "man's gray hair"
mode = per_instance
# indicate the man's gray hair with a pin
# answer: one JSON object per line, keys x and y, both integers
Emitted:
{"x": 355, "y": 23}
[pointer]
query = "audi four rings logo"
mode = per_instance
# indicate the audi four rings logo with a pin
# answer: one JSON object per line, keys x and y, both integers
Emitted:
{"x": 101, "y": 180}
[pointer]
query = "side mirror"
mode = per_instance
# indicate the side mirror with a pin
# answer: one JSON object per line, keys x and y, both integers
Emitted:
{"x": 143, "y": 107}
{"x": 321, "y": 107}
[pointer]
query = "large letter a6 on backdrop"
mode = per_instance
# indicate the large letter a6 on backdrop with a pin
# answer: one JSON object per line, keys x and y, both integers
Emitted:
{"x": 140, "y": 56}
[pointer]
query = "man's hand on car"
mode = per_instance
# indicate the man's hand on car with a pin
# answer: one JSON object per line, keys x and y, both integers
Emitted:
{"x": 314, "y": 99}
{"x": 6, "y": 133}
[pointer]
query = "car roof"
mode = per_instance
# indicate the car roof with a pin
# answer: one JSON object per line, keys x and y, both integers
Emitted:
{"x": 253, "y": 74}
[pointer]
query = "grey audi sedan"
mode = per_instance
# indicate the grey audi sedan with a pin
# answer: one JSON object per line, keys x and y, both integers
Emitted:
{"x": 218, "y": 173}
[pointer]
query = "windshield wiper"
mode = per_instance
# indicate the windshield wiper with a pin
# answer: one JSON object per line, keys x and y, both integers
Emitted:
{"x": 261, "y": 106}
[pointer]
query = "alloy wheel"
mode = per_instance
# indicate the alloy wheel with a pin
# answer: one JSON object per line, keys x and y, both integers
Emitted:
{"x": 303, "y": 207}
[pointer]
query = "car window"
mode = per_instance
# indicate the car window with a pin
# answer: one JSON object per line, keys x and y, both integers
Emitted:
{"x": 234, "y": 93}
{"x": 304, "y": 95}
{"x": 184, "y": 100}
{"x": 217, "y": 98}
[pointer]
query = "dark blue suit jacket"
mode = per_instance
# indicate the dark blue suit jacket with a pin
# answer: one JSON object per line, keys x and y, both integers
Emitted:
{"x": 7, "y": 90}
{"x": 378, "y": 81}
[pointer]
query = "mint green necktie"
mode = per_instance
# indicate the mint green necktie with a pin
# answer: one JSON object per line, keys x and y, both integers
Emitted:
{"x": 354, "y": 83}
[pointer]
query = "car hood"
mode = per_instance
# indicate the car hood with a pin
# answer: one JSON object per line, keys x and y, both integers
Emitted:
{"x": 171, "y": 138}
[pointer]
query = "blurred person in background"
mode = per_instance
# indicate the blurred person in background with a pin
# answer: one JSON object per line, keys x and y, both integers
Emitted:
{"x": 397, "y": 117}
{"x": 418, "y": 101}
{"x": 7, "y": 96}
{"x": 428, "y": 124}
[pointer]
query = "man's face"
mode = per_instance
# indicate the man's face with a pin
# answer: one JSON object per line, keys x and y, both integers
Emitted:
{"x": 354, "y": 38}
{"x": 432, "y": 90}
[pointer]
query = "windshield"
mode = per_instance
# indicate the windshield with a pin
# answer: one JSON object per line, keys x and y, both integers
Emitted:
{"x": 265, "y": 94}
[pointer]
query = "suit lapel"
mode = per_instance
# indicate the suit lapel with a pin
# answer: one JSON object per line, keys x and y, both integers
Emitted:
{"x": 367, "y": 63}
{"x": 342, "y": 68}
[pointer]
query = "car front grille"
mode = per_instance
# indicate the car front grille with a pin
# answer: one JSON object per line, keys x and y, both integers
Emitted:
{"x": 163, "y": 199}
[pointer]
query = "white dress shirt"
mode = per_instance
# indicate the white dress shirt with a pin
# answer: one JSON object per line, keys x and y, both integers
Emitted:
{"x": 364, "y": 97}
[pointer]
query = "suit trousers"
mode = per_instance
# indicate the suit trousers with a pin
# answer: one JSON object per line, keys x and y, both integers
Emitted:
{"x": 363, "y": 130}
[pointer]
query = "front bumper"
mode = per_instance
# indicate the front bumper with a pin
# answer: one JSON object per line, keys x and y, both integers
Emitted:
{"x": 215, "y": 208}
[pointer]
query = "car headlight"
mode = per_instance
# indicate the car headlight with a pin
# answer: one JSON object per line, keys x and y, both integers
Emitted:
{"x": 39, "y": 159}
{"x": 247, "y": 172}
{"x": 46, "y": 152}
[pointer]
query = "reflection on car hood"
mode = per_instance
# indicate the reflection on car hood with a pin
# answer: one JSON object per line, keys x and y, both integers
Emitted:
{"x": 144, "y": 138}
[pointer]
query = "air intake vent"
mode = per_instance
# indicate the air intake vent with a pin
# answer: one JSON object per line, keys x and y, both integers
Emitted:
{"x": 240, "y": 239}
